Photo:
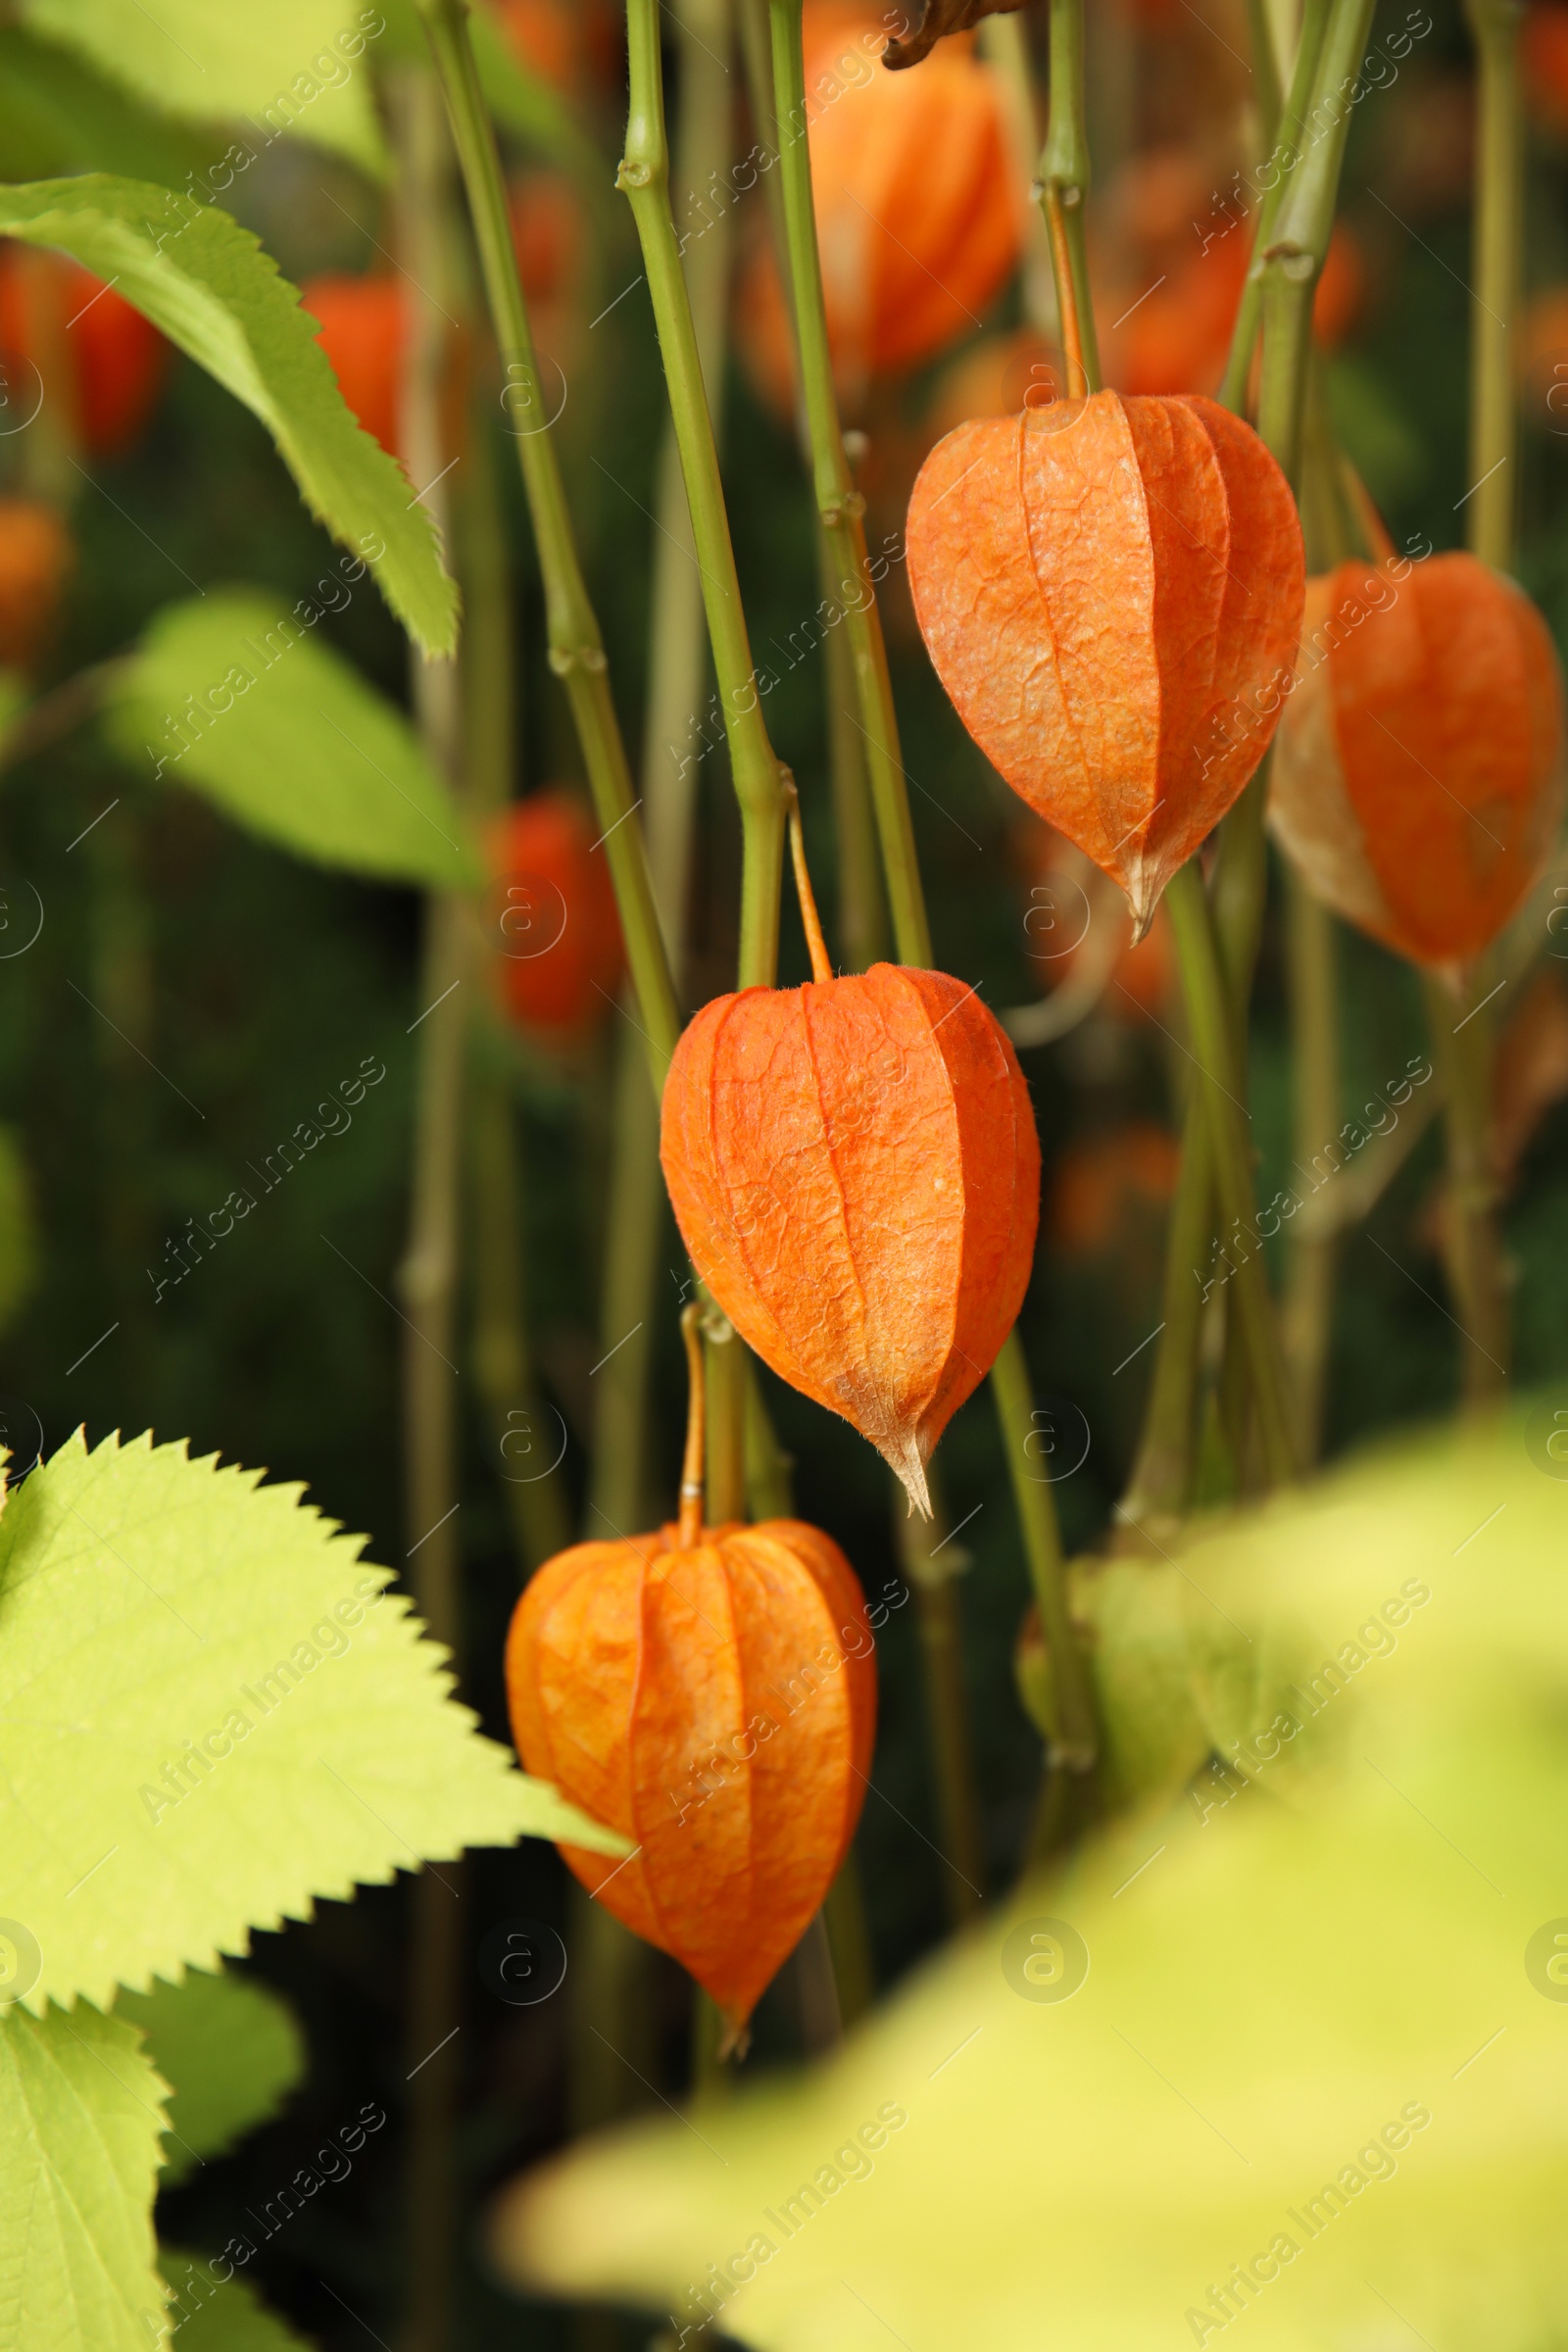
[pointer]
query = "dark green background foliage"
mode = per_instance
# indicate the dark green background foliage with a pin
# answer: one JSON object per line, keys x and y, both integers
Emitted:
{"x": 243, "y": 987}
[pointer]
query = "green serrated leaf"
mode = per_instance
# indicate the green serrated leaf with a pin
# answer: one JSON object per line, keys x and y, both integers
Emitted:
{"x": 294, "y": 65}
{"x": 80, "y": 2111}
{"x": 288, "y": 740}
{"x": 213, "y": 1712}
{"x": 215, "y": 2314}
{"x": 58, "y": 114}
{"x": 213, "y": 290}
{"x": 230, "y": 2051}
{"x": 1286, "y": 2057}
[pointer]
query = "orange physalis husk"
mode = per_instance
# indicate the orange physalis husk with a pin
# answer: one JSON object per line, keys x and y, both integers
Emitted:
{"x": 711, "y": 1692}
{"x": 1418, "y": 778}
{"x": 1110, "y": 591}
{"x": 37, "y": 554}
{"x": 855, "y": 1173}
{"x": 559, "y": 934}
{"x": 96, "y": 358}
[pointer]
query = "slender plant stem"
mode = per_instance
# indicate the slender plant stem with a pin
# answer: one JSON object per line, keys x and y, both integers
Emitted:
{"x": 1462, "y": 1030}
{"x": 933, "y": 1580}
{"x": 1208, "y": 1015}
{"x": 1282, "y": 161}
{"x": 1298, "y": 237}
{"x": 726, "y": 1378}
{"x": 428, "y": 1276}
{"x": 618, "y": 1479}
{"x": 576, "y": 647}
{"x": 1312, "y": 963}
{"x": 841, "y": 508}
{"x": 1458, "y": 1020}
{"x": 1074, "y": 1706}
{"x": 840, "y": 504}
{"x": 678, "y": 651}
{"x": 644, "y": 176}
{"x": 1161, "y": 1488}
{"x": 1063, "y": 183}
{"x": 1496, "y": 273}
{"x": 499, "y": 1349}
{"x": 1004, "y": 44}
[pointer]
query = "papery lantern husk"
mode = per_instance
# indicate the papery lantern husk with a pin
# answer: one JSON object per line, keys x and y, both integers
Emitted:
{"x": 1417, "y": 781}
{"x": 718, "y": 1705}
{"x": 854, "y": 1170}
{"x": 1111, "y": 590}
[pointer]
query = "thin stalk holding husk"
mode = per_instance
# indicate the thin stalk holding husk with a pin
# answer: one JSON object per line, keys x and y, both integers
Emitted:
{"x": 840, "y": 504}
{"x": 428, "y": 1276}
{"x": 678, "y": 651}
{"x": 1063, "y": 184}
{"x": 644, "y": 176}
{"x": 841, "y": 508}
{"x": 1210, "y": 1021}
{"x": 576, "y": 646}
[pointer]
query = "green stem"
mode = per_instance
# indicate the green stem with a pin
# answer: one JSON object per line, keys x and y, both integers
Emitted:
{"x": 933, "y": 1580}
{"x": 1308, "y": 1311}
{"x": 1004, "y": 44}
{"x": 1499, "y": 237}
{"x": 618, "y": 1481}
{"x": 644, "y": 176}
{"x": 576, "y": 647}
{"x": 427, "y": 1276}
{"x": 1298, "y": 100}
{"x": 1458, "y": 1019}
{"x": 1074, "y": 1706}
{"x": 678, "y": 651}
{"x": 1210, "y": 1020}
{"x": 1161, "y": 1488}
{"x": 840, "y": 504}
{"x": 1063, "y": 182}
{"x": 1297, "y": 244}
{"x": 519, "y": 1428}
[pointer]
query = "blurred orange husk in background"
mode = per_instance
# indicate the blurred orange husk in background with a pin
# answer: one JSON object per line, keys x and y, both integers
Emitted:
{"x": 1176, "y": 257}
{"x": 561, "y": 954}
{"x": 1543, "y": 61}
{"x": 572, "y": 44}
{"x": 918, "y": 217}
{"x": 97, "y": 357}
{"x": 36, "y": 555}
{"x": 1099, "y": 1186}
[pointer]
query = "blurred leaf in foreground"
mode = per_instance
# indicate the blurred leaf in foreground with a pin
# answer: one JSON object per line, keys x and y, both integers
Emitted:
{"x": 286, "y": 737}
{"x": 295, "y": 65}
{"x": 1290, "y": 2051}
{"x": 229, "y": 2050}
